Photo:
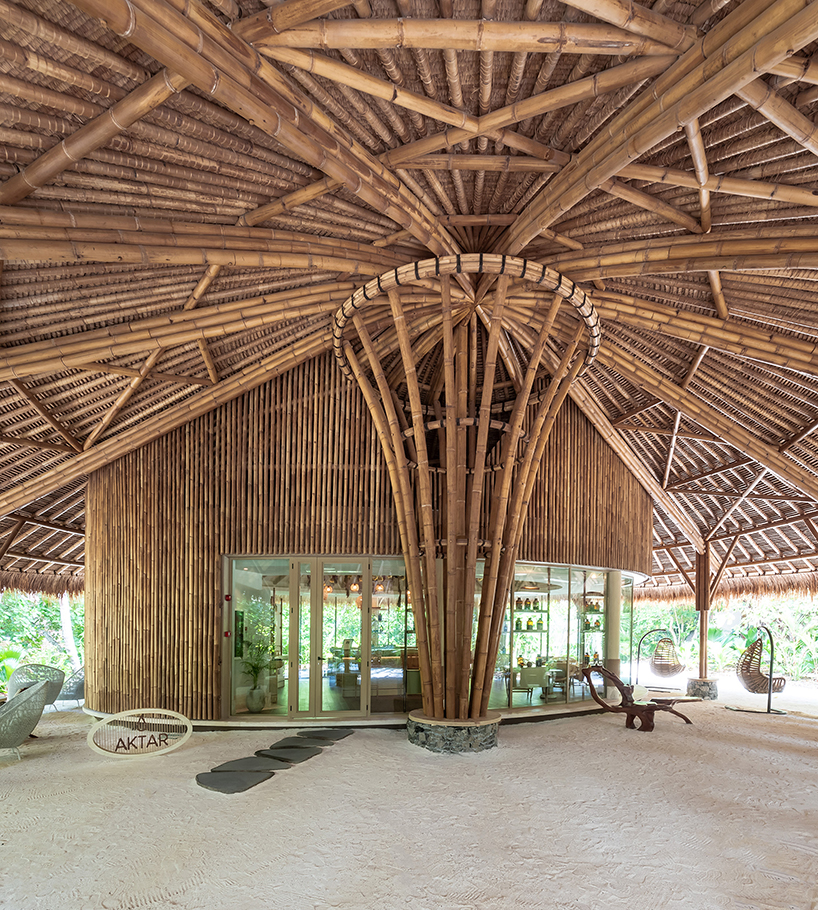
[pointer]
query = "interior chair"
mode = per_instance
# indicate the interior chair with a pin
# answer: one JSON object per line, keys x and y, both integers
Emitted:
{"x": 20, "y": 715}
{"x": 748, "y": 670}
{"x": 528, "y": 678}
{"x": 565, "y": 673}
{"x": 665, "y": 660}
{"x": 74, "y": 687}
{"x": 25, "y": 676}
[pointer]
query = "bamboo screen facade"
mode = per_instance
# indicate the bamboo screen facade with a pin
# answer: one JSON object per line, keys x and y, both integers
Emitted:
{"x": 293, "y": 466}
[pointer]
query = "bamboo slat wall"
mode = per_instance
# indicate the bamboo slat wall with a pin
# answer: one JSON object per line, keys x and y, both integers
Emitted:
{"x": 293, "y": 466}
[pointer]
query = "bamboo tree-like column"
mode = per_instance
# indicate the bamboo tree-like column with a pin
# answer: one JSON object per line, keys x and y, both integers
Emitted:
{"x": 443, "y": 508}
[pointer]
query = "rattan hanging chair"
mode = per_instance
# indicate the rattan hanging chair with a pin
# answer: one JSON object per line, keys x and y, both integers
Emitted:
{"x": 748, "y": 670}
{"x": 665, "y": 660}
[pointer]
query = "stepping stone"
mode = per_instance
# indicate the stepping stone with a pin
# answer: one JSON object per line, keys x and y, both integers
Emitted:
{"x": 254, "y": 763}
{"x": 301, "y": 742}
{"x": 335, "y": 734}
{"x": 288, "y": 754}
{"x": 231, "y": 781}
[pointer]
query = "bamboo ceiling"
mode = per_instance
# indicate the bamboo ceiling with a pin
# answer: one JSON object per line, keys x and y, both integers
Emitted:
{"x": 189, "y": 191}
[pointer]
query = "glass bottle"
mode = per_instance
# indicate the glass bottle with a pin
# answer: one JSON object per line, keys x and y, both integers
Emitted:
{"x": 529, "y": 625}
{"x": 518, "y": 625}
{"x": 535, "y": 604}
{"x": 518, "y": 604}
{"x": 528, "y": 603}
{"x": 539, "y": 623}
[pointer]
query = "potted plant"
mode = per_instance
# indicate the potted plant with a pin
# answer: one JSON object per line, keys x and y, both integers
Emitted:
{"x": 255, "y": 662}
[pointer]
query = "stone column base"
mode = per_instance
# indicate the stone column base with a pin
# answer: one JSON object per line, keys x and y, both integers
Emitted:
{"x": 443, "y": 735}
{"x": 706, "y": 689}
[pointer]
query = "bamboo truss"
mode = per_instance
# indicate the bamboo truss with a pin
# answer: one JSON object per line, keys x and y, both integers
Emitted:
{"x": 189, "y": 192}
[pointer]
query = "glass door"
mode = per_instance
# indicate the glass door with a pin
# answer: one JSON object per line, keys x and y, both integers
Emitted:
{"x": 341, "y": 667}
{"x": 258, "y": 641}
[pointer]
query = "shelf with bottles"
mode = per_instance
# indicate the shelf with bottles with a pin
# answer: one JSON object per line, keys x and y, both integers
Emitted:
{"x": 530, "y": 606}
{"x": 528, "y": 625}
{"x": 592, "y": 625}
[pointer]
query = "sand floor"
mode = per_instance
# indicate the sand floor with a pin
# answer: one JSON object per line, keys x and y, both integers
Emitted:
{"x": 569, "y": 813}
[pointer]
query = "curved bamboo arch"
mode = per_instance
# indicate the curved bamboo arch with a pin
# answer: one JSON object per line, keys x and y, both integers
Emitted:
{"x": 446, "y": 517}
{"x": 469, "y": 263}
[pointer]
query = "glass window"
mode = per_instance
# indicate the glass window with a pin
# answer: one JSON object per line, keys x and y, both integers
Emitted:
{"x": 260, "y": 636}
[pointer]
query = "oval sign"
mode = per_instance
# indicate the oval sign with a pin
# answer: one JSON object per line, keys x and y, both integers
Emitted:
{"x": 142, "y": 731}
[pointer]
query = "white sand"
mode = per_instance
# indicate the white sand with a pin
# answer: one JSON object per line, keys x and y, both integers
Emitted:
{"x": 570, "y": 813}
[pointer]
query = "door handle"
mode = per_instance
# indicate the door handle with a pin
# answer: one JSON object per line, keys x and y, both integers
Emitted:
{"x": 320, "y": 658}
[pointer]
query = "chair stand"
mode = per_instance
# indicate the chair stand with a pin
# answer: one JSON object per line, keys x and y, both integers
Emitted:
{"x": 749, "y": 672}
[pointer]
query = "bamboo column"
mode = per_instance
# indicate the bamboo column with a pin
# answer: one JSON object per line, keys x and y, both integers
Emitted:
{"x": 703, "y": 605}
{"x": 458, "y": 502}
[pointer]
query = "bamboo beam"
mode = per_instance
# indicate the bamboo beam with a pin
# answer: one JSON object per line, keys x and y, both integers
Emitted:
{"x": 723, "y": 565}
{"x": 730, "y": 186}
{"x": 158, "y": 332}
{"x": 39, "y": 444}
{"x": 494, "y": 163}
{"x": 93, "y": 135}
{"x": 45, "y": 523}
{"x": 759, "y": 477}
{"x": 128, "y": 371}
{"x": 32, "y": 399}
{"x": 777, "y": 110}
{"x": 671, "y": 448}
{"x": 11, "y": 536}
{"x": 50, "y": 560}
{"x": 494, "y": 126}
{"x": 678, "y": 565}
{"x": 758, "y": 497}
{"x": 650, "y": 204}
{"x": 705, "y": 415}
{"x": 697, "y": 362}
{"x": 739, "y": 339}
{"x": 640, "y": 20}
{"x": 461, "y": 35}
{"x": 658, "y": 431}
{"x": 711, "y": 472}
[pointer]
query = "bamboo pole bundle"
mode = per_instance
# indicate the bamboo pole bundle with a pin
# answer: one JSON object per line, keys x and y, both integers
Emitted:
{"x": 467, "y": 473}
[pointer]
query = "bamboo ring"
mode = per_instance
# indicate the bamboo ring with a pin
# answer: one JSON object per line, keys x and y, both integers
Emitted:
{"x": 469, "y": 263}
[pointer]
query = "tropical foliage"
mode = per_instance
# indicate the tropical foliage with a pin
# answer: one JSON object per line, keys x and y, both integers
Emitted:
{"x": 734, "y": 624}
{"x": 32, "y": 632}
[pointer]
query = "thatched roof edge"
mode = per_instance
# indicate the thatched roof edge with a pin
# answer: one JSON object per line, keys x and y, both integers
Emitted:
{"x": 42, "y": 583}
{"x": 783, "y": 585}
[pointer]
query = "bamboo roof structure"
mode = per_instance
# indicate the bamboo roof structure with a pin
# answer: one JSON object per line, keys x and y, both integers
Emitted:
{"x": 190, "y": 190}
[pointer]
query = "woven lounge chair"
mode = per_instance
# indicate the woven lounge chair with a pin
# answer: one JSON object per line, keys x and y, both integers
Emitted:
{"x": 665, "y": 660}
{"x": 748, "y": 670}
{"x": 74, "y": 687}
{"x": 20, "y": 715}
{"x": 633, "y": 710}
{"x": 28, "y": 674}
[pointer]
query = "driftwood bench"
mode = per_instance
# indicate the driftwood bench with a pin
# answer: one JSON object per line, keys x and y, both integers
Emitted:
{"x": 632, "y": 710}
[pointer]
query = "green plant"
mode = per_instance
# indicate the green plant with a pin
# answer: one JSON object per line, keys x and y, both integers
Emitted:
{"x": 257, "y": 659}
{"x": 9, "y": 659}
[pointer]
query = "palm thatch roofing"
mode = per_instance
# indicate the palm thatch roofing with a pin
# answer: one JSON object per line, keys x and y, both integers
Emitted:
{"x": 189, "y": 190}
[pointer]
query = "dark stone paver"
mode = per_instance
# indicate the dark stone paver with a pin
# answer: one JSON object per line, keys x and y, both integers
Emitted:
{"x": 231, "y": 781}
{"x": 301, "y": 742}
{"x": 333, "y": 734}
{"x": 289, "y": 754}
{"x": 254, "y": 763}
